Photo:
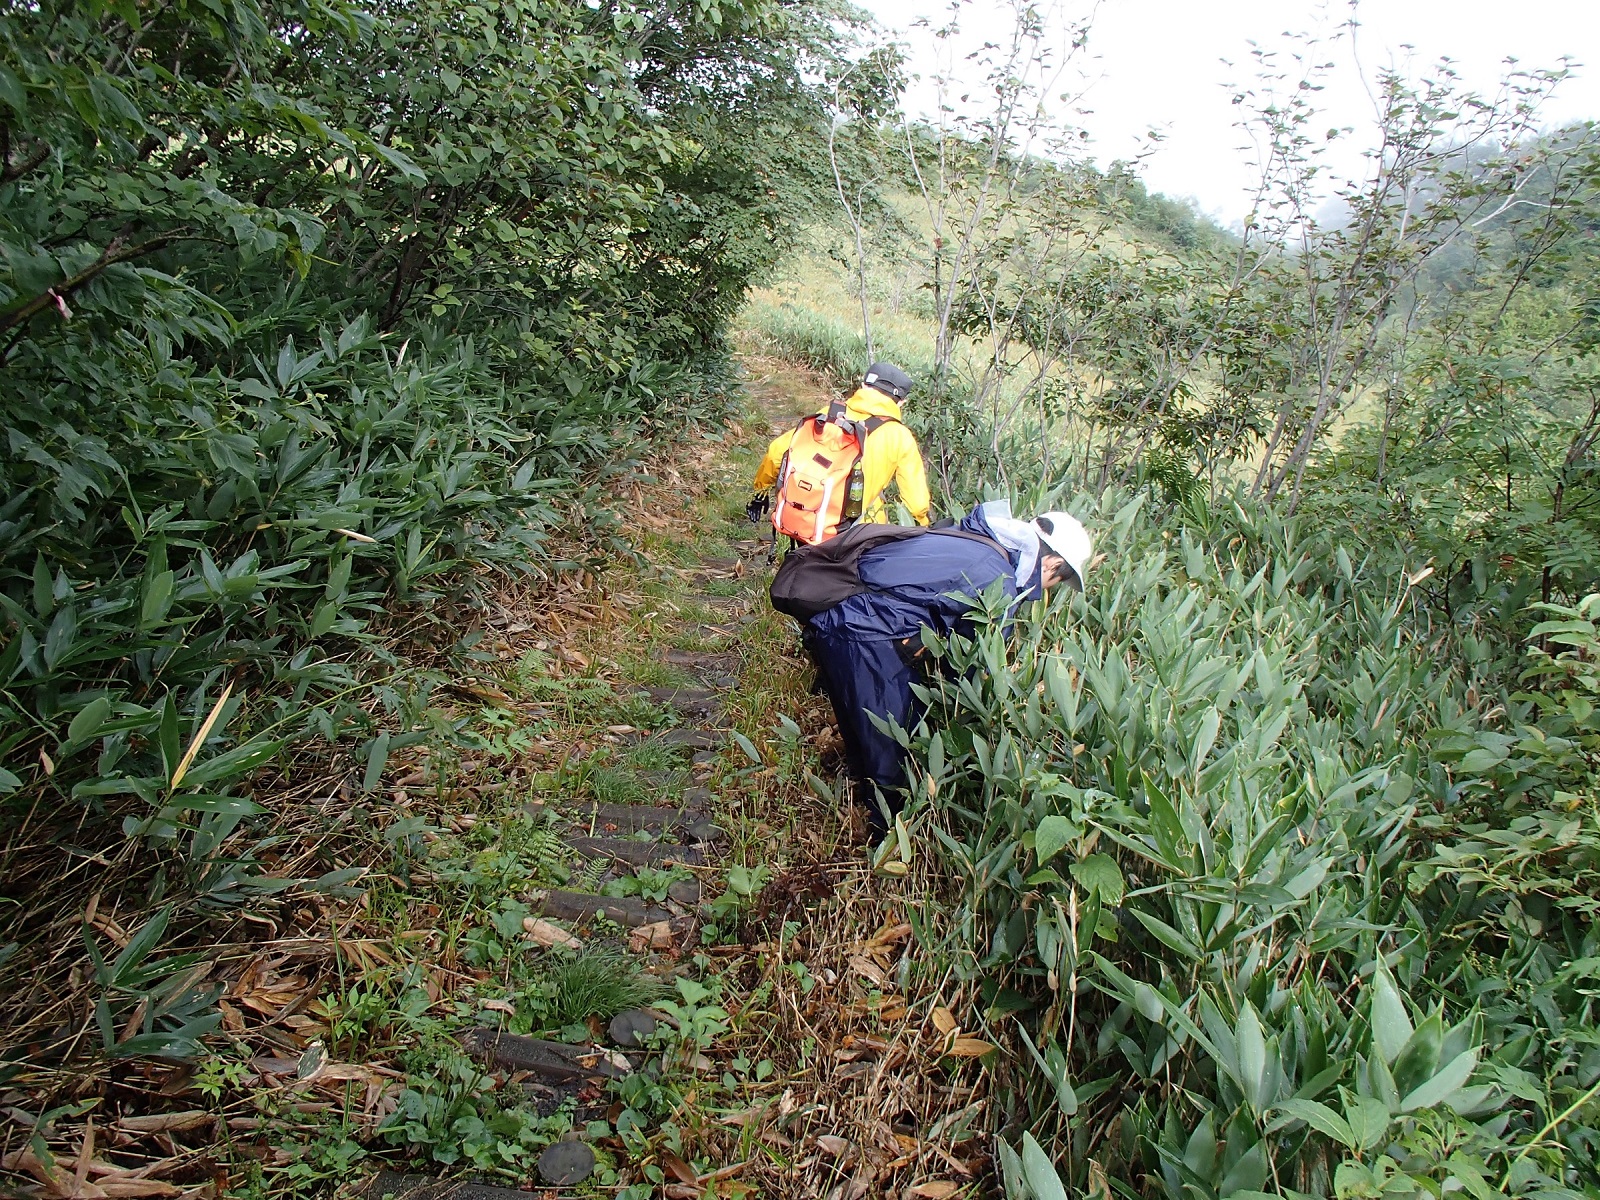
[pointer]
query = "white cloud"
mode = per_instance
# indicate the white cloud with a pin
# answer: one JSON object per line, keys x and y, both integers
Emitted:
{"x": 1159, "y": 64}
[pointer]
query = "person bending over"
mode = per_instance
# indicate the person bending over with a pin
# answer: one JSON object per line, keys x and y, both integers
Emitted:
{"x": 866, "y": 644}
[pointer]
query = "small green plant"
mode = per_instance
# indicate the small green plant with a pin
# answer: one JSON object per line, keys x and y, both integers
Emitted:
{"x": 595, "y": 982}
{"x": 651, "y": 883}
{"x": 743, "y": 885}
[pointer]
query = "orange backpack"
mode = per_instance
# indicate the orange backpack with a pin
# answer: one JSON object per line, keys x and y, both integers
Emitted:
{"x": 819, "y": 481}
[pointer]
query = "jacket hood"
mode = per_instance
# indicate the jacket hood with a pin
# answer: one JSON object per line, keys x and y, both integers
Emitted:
{"x": 870, "y": 402}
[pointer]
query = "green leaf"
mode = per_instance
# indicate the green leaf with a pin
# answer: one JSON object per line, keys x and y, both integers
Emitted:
{"x": 1167, "y": 935}
{"x": 1051, "y": 837}
{"x": 181, "y": 1043}
{"x": 377, "y": 759}
{"x": 1470, "y": 1172}
{"x": 8, "y": 782}
{"x": 1319, "y": 1116}
{"x": 323, "y": 618}
{"x": 1252, "y": 1050}
{"x": 1165, "y": 824}
{"x": 239, "y": 806}
{"x": 346, "y": 875}
{"x": 139, "y": 946}
{"x": 747, "y": 746}
{"x": 1039, "y": 1172}
{"x": 171, "y": 747}
{"x": 1205, "y": 738}
{"x": 232, "y": 764}
{"x": 89, "y": 719}
{"x": 63, "y": 633}
{"x": 1011, "y": 1171}
{"x": 1391, "y": 1025}
{"x": 1451, "y": 1078}
{"x": 1101, "y": 875}
{"x": 44, "y": 599}
{"x": 1419, "y": 1057}
{"x": 1368, "y": 1120}
{"x": 1247, "y": 1174}
{"x": 157, "y": 598}
{"x": 13, "y": 92}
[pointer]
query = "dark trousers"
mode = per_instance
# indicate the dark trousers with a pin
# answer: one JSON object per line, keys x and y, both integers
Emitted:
{"x": 864, "y": 677}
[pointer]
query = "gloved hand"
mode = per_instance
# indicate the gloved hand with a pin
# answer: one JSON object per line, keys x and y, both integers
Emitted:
{"x": 760, "y": 504}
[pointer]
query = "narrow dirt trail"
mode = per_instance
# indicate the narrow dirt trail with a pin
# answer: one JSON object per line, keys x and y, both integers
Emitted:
{"x": 604, "y": 932}
{"x": 802, "y": 1055}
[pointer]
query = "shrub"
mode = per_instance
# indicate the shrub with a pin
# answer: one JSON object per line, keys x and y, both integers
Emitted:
{"x": 1278, "y": 886}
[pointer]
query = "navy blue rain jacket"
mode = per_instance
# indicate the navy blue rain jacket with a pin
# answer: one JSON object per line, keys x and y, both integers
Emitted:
{"x": 864, "y": 646}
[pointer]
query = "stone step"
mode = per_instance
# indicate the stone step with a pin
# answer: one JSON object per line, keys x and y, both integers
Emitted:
{"x": 714, "y": 669}
{"x": 691, "y": 739}
{"x": 628, "y": 1028}
{"x": 566, "y": 1163}
{"x": 684, "y": 891}
{"x": 555, "y": 1061}
{"x": 704, "y": 832}
{"x": 635, "y": 853}
{"x": 629, "y": 911}
{"x": 700, "y": 704}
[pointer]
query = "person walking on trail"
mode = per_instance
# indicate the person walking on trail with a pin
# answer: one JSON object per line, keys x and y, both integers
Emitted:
{"x": 832, "y": 468}
{"x": 866, "y": 596}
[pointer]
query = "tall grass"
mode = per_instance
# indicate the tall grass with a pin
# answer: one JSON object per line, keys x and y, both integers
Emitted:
{"x": 826, "y": 343}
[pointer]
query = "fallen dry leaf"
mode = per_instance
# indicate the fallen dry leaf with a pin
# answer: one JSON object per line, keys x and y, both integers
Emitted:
{"x": 679, "y": 1170}
{"x": 891, "y": 934}
{"x": 502, "y": 1006}
{"x": 870, "y": 970}
{"x": 547, "y": 933}
{"x": 943, "y": 1020}
{"x": 966, "y": 1047}
{"x": 1099, "y": 1187}
{"x": 165, "y": 1122}
{"x": 936, "y": 1189}
{"x": 830, "y": 1144}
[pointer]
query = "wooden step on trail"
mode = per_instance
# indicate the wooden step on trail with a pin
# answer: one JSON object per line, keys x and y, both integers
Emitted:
{"x": 722, "y": 565}
{"x": 719, "y": 660}
{"x": 426, "y": 1187}
{"x": 580, "y": 907}
{"x": 635, "y": 853}
{"x": 556, "y": 1062}
{"x": 599, "y": 820}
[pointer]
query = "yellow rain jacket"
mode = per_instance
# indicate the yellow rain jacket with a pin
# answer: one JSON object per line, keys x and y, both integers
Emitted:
{"x": 890, "y": 456}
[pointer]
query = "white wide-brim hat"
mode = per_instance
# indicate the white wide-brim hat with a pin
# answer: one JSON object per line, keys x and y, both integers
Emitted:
{"x": 1063, "y": 534}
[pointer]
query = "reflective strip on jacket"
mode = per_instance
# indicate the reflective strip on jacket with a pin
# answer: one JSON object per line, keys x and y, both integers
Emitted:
{"x": 890, "y": 456}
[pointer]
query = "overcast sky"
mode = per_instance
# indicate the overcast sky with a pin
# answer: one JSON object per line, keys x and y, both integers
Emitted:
{"x": 1160, "y": 64}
